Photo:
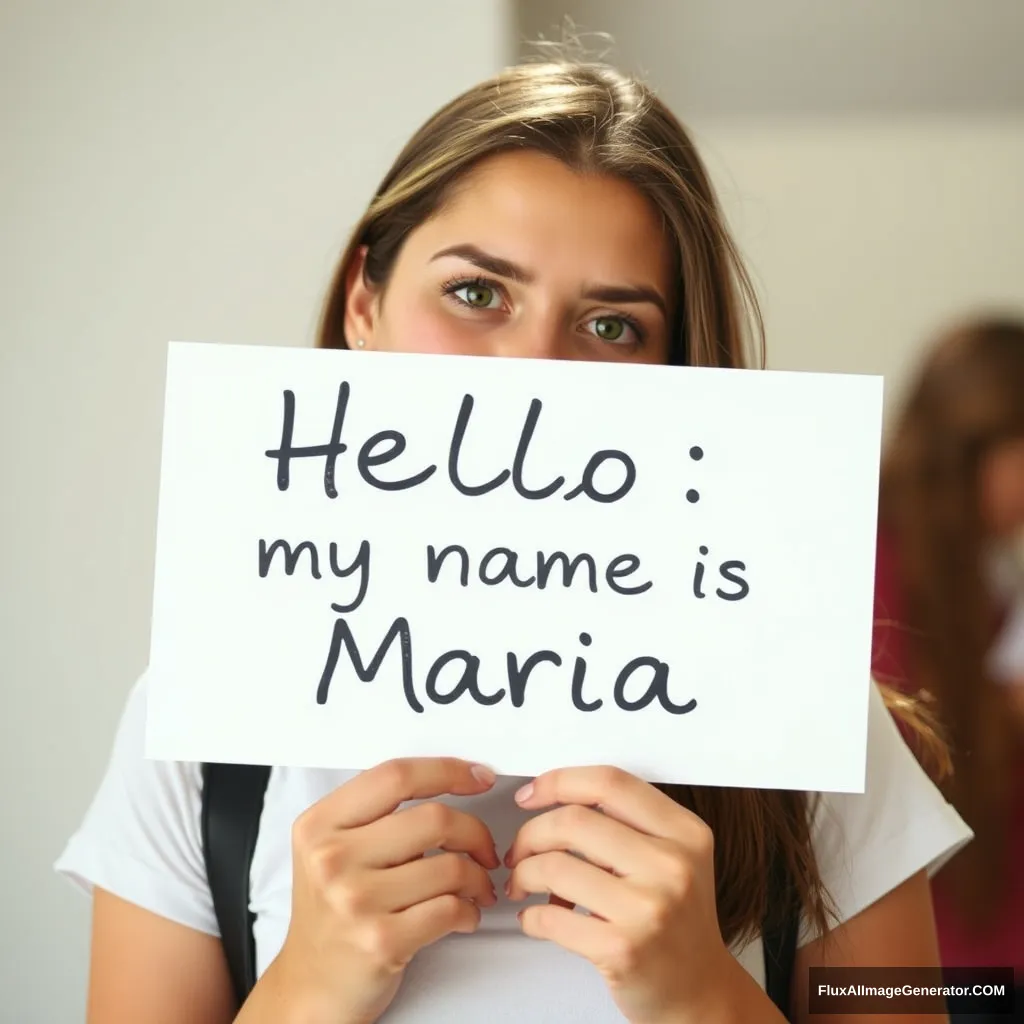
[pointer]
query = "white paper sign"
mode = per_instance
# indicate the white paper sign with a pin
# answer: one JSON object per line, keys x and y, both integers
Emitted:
{"x": 528, "y": 563}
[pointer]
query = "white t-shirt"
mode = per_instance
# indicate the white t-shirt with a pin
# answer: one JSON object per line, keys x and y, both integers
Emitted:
{"x": 141, "y": 840}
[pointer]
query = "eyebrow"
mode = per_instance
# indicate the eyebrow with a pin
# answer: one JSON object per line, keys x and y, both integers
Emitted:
{"x": 513, "y": 271}
{"x": 486, "y": 261}
{"x": 627, "y": 294}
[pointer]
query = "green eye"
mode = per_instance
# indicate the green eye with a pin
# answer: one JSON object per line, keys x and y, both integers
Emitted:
{"x": 477, "y": 295}
{"x": 609, "y": 328}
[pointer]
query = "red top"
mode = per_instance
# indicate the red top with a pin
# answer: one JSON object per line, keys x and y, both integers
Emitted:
{"x": 1003, "y": 946}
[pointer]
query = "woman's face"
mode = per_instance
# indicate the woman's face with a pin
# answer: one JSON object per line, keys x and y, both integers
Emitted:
{"x": 527, "y": 259}
{"x": 1002, "y": 488}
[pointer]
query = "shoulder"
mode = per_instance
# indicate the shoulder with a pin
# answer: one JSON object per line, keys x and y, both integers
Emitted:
{"x": 140, "y": 836}
{"x": 868, "y": 843}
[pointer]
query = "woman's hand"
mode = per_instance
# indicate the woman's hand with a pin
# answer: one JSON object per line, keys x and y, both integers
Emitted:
{"x": 365, "y": 899}
{"x": 645, "y": 871}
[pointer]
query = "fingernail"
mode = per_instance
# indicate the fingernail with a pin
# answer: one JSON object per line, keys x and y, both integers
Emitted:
{"x": 524, "y": 794}
{"x": 483, "y": 774}
{"x": 494, "y": 855}
{"x": 507, "y": 859}
{"x": 508, "y": 887}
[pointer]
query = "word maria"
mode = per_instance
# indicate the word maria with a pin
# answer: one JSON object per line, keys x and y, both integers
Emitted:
{"x": 517, "y": 674}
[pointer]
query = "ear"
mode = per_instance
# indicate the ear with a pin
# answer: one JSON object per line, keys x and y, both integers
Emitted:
{"x": 360, "y": 302}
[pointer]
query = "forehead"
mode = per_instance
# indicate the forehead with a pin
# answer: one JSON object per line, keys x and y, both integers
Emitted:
{"x": 535, "y": 210}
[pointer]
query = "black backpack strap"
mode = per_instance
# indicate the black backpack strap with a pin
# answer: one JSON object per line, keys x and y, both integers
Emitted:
{"x": 232, "y": 805}
{"x": 779, "y": 939}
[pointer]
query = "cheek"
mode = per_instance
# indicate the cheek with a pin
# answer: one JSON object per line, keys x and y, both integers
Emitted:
{"x": 1004, "y": 491}
{"x": 1019, "y": 487}
{"x": 1013, "y": 479}
{"x": 420, "y": 327}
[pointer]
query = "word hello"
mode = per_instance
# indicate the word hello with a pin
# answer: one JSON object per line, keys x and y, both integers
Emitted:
{"x": 388, "y": 445}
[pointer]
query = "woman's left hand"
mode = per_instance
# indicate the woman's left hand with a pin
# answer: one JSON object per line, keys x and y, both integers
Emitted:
{"x": 644, "y": 868}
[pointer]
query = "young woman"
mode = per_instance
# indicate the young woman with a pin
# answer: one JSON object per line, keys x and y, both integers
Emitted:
{"x": 950, "y": 591}
{"x": 557, "y": 212}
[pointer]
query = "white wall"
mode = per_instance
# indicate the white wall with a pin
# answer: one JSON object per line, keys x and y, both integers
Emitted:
{"x": 806, "y": 58}
{"x": 171, "y": 169}
{"x": 866, "y": 236}
{"x": 869, "y": 155}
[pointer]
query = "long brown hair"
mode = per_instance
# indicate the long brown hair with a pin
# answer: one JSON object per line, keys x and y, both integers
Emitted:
{"x": 968, "y": 397}
{"x": 597, "y": 120}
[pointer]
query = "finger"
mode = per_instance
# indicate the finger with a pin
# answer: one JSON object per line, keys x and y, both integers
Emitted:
{"x": 411, "y": 832}
{"x": 585, "y": 936}
{"x": 427, "y": 922}
{"x": 422, "y": 880}
{"x": 602, "y": 840}
{"x": 574, "y": 881}
{"x": 618, "y": 794}
{"x": 379, "y": 790}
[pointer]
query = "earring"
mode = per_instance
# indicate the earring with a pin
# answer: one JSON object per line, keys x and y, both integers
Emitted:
{"x": 360, "y": 343}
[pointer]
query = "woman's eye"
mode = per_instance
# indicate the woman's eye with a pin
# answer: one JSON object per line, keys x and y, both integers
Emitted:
{"x": 479, "y": 296}
{"x": 613, "y": 329}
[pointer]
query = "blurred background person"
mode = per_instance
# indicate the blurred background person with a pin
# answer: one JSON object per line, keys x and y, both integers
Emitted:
{"x": 949, "y": 608}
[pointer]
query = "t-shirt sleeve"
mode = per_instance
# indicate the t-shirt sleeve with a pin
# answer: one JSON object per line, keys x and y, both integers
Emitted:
{"x": 868, "y": 843}
{"x": 140, "y": 838}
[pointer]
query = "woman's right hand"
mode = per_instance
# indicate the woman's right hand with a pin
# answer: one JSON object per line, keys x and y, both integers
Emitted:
{"x": 366, "y": 899}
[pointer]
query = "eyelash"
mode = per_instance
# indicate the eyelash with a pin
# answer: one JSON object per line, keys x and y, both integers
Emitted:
{"x": 454, "y": 284}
